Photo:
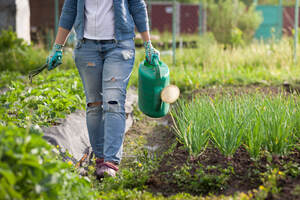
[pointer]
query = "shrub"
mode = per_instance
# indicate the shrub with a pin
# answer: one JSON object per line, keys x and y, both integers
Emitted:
{"x": 226, "y": 17}
{"x": 17, "y": 55}
{"x": 9, "y": 41}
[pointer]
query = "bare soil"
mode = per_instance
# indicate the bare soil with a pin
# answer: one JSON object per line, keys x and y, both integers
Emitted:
{"x": 246, "y": 174}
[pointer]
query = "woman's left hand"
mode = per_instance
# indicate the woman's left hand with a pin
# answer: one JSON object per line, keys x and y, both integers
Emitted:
{"x": 152, "y": 54}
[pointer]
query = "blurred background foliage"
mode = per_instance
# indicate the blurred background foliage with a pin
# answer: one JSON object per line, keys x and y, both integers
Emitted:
{"x": 232, "y": 22}
{"x": 247, "y": 2}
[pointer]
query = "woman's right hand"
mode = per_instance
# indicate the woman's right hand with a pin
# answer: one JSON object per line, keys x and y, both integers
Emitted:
{"x": 55, "y": 57}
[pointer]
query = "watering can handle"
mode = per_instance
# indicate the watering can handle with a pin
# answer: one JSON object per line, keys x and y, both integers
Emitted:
{"x": 156, "y": 65}
{"x": 158, "y": 102}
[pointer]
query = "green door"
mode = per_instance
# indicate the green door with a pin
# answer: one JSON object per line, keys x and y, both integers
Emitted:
{"x": 272, "y": 22}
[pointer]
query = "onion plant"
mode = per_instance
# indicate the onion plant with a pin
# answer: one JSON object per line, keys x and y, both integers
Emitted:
{"x": 192, "y": 125}
{"x": 253, "y": 136}
{"x": 274, "y": 127}
{"x": 228, "y": 118}
{"x": 278, "y": 119}
{"x": 258, "y": 122}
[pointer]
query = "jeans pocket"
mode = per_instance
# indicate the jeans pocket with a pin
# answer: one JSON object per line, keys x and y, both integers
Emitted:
{"x": 126, "y": 44}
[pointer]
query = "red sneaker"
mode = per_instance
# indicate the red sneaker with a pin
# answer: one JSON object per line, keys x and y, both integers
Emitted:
{"x": 99, "y": 162}
{"x": 106, "y": 169}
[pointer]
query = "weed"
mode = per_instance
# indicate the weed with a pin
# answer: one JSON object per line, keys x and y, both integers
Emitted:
{"x": 134, "y": 176}
{"x": 292, "y": 169}
{"x": 202, "y": 181}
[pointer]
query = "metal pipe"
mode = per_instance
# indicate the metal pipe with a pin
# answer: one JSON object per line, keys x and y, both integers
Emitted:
{"x": 174, "y": 21}
{"x": 280, "y": 15}
{"x": 296, "y": 30}
{"x": 200, "y": 24}
{"x": 56, "y": 16}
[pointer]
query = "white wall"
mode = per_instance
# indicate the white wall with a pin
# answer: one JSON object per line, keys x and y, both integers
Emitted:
{"x": 23, "y": 19}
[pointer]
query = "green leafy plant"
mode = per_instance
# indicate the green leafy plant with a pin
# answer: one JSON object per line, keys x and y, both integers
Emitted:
{"x": 202, "y": 181}
{"x": 134, "y": 175}
{"x": 29, "y": 170}
{"x": 47, "y": 100}
{"x": 254, "y": 137}
{"x": 269, "y": 187}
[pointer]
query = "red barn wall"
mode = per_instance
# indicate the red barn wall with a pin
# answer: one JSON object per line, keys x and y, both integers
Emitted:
{"x": 189, "y": 18}
{"x": 289, "y": 20}
{"x": 161, "y": 17}
{"x": 42, "y": 13}
{"x": 42, "y": 16}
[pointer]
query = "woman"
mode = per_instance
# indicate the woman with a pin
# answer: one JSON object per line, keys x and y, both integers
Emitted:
{"x": 104, "y": 56}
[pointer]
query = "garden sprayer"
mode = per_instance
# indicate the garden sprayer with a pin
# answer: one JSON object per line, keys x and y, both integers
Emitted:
{"x": 37, "y": 71}
{"x": 40, "y": 69}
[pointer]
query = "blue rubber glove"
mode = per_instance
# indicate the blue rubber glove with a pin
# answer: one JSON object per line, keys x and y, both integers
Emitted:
{"x": 152, "y": 55}
{"x": 55, "y": 57}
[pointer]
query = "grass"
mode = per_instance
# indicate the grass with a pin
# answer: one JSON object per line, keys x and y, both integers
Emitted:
{"x": 210, "y": 64}
{"x": 258, "y": 122}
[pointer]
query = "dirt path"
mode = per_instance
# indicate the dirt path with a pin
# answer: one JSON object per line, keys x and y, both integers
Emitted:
{"x": 154, "y": 135}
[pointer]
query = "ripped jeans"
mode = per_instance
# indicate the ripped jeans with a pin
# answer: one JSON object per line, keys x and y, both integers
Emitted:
{"x": 105, "y": 68}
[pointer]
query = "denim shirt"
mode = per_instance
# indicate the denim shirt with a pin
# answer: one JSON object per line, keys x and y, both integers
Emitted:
{"x": 126, "y": 13}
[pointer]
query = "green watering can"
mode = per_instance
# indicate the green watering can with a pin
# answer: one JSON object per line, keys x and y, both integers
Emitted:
{"x": 154, "y": 90}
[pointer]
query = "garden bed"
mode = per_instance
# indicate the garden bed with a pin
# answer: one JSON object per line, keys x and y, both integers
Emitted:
{"x": 222, "y": 176}
{"x": 271, "y": 176}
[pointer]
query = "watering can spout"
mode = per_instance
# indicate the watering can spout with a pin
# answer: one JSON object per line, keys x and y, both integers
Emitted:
{"x": 170, "y": 94}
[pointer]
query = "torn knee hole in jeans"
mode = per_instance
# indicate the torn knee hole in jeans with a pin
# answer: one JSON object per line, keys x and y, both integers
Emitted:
{"x": 113, "y": 102}
{"x": 112, "y": 79}
{"x": 94, "y": 104}
{"x": 112, "y": 105}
